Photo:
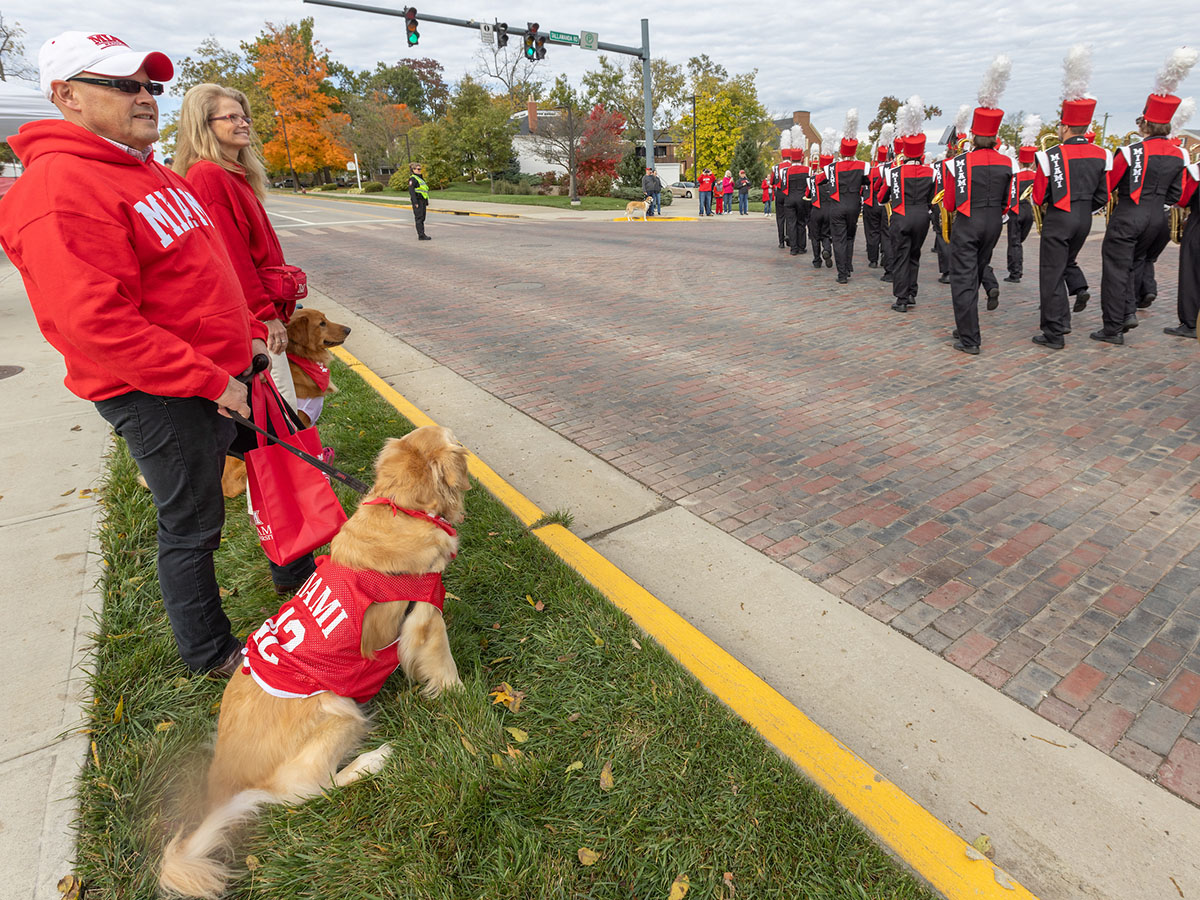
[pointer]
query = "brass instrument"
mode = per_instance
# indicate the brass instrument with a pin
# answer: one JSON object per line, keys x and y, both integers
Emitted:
{"x": 1039, "y": 211}
{"x": 946, "y": 215}
{"x": 1176, "y": 220}
{"x": 1047, "y": 141}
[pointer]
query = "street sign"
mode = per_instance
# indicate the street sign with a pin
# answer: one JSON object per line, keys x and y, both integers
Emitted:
{"x": 589, "y": 40}
{"x": 564, "y": 38}
{"x": 487, "y": 33}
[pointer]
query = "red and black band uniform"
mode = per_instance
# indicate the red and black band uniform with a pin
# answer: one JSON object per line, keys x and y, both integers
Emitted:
{"x": 874, "y": 218}
{"x": 1020, "y": 222}
{"x": 818, "y": 220}
{"x": 910, "y": 189}
{"x": 776, "y": 184}
{"x": 1146, "y": 176}
{"x": 977, "y": 189}
{"x": 795, "y": 186}
{"x": 1071, "y": 183}
{"x": 940, "y": 247}
{"x": 1188, "y": 302}
{"x": 848, "y": 179}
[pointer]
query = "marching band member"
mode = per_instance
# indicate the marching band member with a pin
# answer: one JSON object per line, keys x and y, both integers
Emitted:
{"x": 795, "y": 187}
{"x": 822, "y": 199}
{"x": 976, "y": 190}
{"x": 848, "y": 178}
{"x": 873, "y": 210}
{"x": 1020, "y": 210}
{"x": 1070, "y": 182}
{"x": 1188, "y": 301}
{"x": 1146, "y": 176}
{"x": 909, "y": 189}
{"x": 785, "y": 146}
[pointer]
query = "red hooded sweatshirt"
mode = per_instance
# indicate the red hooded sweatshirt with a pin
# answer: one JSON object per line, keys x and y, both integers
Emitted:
{"x": 251, "y": 241}
{"x": 126, "y": 274}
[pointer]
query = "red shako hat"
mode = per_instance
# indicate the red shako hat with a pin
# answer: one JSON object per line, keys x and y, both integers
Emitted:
{"x": 1078, "y": 112}
{"x": 1025, "y": 155}
{"x": 881, "y": 153}
{"x": 826, "y": 159}
{"x": 849, "y": 147}
{"x": 1162, "y": 103}
{"x": 986, "y": 121}
{"x": 1160, "y": 108}
{"x": 914, "y": 145}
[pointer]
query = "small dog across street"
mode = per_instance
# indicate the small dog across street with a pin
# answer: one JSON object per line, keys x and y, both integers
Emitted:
{"x": 637, "y": 208}
{"x": 291, "y": 715}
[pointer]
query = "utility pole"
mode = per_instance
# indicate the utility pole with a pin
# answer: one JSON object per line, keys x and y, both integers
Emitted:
{"x": 695, "y": 158}
{"x": 649, "y": 106}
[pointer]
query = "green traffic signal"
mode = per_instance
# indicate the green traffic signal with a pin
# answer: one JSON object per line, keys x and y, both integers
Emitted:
{"x": 410, "y": 24}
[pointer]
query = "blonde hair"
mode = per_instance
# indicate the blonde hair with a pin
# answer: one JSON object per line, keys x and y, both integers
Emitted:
{"x": 195, "y": 140}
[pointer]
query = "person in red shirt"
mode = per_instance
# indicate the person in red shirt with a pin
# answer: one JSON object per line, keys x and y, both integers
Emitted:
{"x": 704, "y": 187}
{"x": 217, "y": 152}
{"x": 767, "y": 194}
{"x": 130, "y": 282}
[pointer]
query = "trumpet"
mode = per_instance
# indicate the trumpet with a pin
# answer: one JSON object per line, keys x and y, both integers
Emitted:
{"x": 1038, "y": 209}
{"x": 1176, "y": 220}
{"x": 946, "y": 215}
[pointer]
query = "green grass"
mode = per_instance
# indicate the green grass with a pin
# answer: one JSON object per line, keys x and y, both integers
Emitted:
{"x": 479, "y": 193}
{"x": 453, "y": 814}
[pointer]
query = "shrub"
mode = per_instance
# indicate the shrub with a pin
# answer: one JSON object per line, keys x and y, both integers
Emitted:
{"x": 327, "y": 187}
{"x": 374, "y": 187}
{"x": 597, "y": 186}
{"x": 398, "y": 181}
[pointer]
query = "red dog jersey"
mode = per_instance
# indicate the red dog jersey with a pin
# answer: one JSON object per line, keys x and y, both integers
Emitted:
{"x": 313, "y": 643}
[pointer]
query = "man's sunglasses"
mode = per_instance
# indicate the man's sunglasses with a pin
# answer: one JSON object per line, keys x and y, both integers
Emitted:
{"x": 124, "y": 85}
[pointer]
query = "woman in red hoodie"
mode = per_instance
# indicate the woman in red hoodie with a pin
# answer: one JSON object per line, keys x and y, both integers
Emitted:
{"x": 219, "y": 154}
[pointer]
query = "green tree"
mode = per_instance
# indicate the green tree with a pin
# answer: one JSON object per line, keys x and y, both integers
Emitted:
{"x": 724, "y": 110}
{"x": 888, "y": 107}
{"x": 484, "y": 140}
{"x": 433, "y": 146}
{"x": 745, "y": 156}
{"x": 631, "y": 168}
{"x": 619, "y": 88}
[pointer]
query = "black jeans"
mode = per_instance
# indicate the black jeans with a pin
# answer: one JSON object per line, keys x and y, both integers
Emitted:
{"x": 179, "y": 445}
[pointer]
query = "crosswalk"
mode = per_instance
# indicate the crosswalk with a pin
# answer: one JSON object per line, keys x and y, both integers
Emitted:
{"x": 350, "y": 227}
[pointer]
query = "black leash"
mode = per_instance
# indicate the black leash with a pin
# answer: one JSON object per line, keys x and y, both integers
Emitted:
{"x": 260, "y": 364}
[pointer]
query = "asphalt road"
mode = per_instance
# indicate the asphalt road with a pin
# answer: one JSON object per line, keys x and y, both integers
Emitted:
{"x": 1031, "y": 516}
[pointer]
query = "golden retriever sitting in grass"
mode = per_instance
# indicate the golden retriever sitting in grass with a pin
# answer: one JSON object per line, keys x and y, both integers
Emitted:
{"x": 291, "y": 714}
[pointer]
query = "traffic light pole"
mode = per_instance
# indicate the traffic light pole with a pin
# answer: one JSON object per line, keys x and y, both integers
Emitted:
{"x": 642, "y": 52}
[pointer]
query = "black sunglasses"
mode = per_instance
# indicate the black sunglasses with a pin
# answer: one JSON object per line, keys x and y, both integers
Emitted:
{"x": 124, "y": 85}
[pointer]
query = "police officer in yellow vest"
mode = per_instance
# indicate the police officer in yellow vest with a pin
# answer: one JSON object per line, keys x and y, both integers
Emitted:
{"x": 418, "y": 192}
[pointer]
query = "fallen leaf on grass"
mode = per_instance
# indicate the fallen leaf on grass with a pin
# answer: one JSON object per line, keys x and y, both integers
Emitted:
{"x": 517, "y": 734}
{"x": 497, "y": 760}
{"x": 470, "y": 747}
{"x": 566, "y": 657}
{"x": 606, "y": 777}
{"x": 499, "y": 659}
{"x": 119, "y": 712}
{"x": 679, "y": 888}
{"x": 513, "y": 751}
{"x": 539, "y": 605}
{"x": 252, "y": 863}
{"x": 729, "y": 884}
{"x": 575, "y": 766}
{"x": 588, "y": 856}
{"x": 599, "y": 640}
{"x": 573, "y": 717}
{"x": 634, "y": 642}
{"x": 95, "y": 755}
{"x": 164, "y": 726}
{"x": 504, "y": 693}
{"x": 69, "y": 886}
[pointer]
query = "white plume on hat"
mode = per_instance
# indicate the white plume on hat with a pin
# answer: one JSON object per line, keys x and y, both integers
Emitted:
{"x": 962, "y": 118}
{"x": 1030, "y": 129}
{"x": 887, "y": 134}
{"x": 1077, "y": 72}
{"x": 1187, "y": 109}
{"x": 910, "y": 117}
{"x": 828, "y": 142}
{"x": 814, "y": 150}
{"x": 798, "y": 137}
{"x": 994, "y": 82}
{"x": 785, "y": 139}
{"x": 1175, "y": 69}
{"x": 850, "y": 129}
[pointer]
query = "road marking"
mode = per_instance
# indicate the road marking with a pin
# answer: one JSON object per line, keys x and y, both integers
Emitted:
{"x": 293, "y": 218}
{"x": 926, "y": 844}
{"x": 344, "y": 222}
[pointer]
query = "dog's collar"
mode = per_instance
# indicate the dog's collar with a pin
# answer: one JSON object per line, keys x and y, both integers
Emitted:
{"x": 415, "y": 513}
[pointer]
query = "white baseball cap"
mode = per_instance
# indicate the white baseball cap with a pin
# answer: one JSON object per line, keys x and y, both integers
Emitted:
{"x": 73, "y": 52}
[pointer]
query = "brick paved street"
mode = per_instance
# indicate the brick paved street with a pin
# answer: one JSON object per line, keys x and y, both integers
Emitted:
{"x": 1033, "y": 517}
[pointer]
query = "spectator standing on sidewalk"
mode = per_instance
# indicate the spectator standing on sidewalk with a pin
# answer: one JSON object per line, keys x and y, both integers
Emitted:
{"x": 727, "y": 190}
{"x": 766, "y": 195}
{"x": 652, "y": 188}
{"x": 418, "y": 193}
{"x": 743, "y": 186}
{"x": 217, "y": 152}
{"x": 704, "y": 189}
{"x": 131, "y": 283}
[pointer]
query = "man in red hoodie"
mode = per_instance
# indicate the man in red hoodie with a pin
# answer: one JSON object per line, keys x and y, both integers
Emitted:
{"x": 130, "y": 282}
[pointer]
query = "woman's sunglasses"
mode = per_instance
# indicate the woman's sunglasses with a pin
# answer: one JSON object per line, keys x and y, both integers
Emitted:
{"x": 124, "y": 85}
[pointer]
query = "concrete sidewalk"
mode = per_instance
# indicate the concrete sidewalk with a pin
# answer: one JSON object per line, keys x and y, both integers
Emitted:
{"x": 1065, "y": 819}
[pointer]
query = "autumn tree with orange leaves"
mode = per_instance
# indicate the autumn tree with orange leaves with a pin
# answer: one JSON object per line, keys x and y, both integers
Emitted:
{"x": 292, "y": 69}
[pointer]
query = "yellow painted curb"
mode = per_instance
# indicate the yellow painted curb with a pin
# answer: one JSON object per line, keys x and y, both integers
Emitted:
{"x": 662, "y": 219}
{"x": 933, "y": 851}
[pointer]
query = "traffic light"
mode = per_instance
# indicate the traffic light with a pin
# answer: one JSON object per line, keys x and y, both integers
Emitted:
{"x": 531, "y": 34}
{"x": 410, "y": 23}
{"x": 541, "y": 47}
{"x": 501, "y": 34}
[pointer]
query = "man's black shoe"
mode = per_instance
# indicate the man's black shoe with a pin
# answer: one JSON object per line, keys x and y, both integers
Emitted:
{"x": 963, "y": 348}
{"x": 795, "y": 253}
{"x": 827, "y": 254}
{"x": 828, "y": 261}
{"x": 872, "y": 265}
{"x": 1107, "y": 338}
{"x": 842, "y": 279}
{"x": 886, "y": 276}
{"x": 816, "y": 264}
{"x": 1181, "y": 331}
{"x": 954, "y": 334}
{"x": 900, "y": 306}
{"x": 1013, "y": 279}
{"x": 1081, "y": 301}
{"x": 943, "y": 278}
{"x": 1145, "y": 302}
{"x": 1066, "y": 331}
{"x": 1047, "y": 342}
{"x": 1131, "y": 322}
{"x": 993, "y": 298}
{"x": 911, "y": 301}
{"x": 424, "y": 237}
{"x": 804, "y": 248}
{"x": 782, "y": 245}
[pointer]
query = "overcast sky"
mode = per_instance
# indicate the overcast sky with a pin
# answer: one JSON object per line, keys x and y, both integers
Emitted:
{"x": 841, "y": 54}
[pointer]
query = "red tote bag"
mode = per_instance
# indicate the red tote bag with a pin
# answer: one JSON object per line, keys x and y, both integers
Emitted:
{"x": 293, "y": 506}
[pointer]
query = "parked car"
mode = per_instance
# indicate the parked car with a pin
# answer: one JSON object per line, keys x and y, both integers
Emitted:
{"x": 683, "y": 189}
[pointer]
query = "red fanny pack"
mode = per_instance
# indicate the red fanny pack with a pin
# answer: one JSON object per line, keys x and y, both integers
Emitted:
{"x": 284, "y": 282}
